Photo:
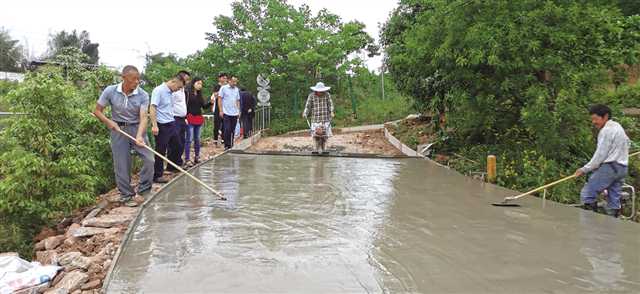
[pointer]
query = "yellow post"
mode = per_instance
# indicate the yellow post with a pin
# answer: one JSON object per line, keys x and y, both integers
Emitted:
{"x": 492, "y": 173}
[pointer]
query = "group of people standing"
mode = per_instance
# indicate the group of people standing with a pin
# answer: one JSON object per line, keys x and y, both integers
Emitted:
{"x": 175, "y": 110}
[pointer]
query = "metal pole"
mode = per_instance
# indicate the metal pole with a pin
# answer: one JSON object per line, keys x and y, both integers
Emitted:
{"x": 353, "y": 100}
{"x": 382, "y": 80}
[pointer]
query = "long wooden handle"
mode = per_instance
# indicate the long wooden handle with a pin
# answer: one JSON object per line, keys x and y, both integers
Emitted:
{"x": 551, "y": 184}
{"x": 174, "y": 165}
{"x": 540, "y": 188}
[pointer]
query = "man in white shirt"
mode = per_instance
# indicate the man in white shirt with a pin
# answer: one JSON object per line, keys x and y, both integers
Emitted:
{"x": 229, "y": 100}
{"x": 178, "y": 98}
{"x": 608, "y": 164}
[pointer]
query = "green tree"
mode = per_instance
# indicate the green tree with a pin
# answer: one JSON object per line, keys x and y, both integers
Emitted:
{"x": 522, "y": 70}
{"x": 159, "y": 68}
{"x": 81, "y": 40}
{"x": 629, "y": 7}
{"x": 291, "y": 45}
{"x": 11, "y": 55}
{"x": 512, "y": 76}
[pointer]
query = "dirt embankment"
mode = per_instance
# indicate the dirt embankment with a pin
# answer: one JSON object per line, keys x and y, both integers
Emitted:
{"x": 366, "y": 142}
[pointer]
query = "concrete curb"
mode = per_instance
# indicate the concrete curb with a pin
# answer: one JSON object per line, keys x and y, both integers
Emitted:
{"x": 398, "y": 144}
{"x": 309, "y": 154}
{"x": 406, "y": 150}
{"x": 360, "y": 129}
{"x": 247, "y": 143}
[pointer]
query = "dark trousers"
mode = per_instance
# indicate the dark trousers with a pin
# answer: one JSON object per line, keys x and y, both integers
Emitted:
{"x": 176, "y": 150}
{"x": 228, "y": 133}
{"x": 217, "y": 125}
{"x": 167, "y": 135}
{"x": 246, "y": 121}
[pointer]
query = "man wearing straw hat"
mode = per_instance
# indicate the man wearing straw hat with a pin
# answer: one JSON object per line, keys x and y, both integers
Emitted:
{"x": 129, "y": 104}
{"x": 320, "y": 107}
{"x": 608, "y": 164}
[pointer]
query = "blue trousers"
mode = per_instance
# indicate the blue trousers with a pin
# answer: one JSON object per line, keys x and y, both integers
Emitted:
{"x": 121, "y": 147}
{"x": 608, "y": 176}
{"x": 193, "y": 133}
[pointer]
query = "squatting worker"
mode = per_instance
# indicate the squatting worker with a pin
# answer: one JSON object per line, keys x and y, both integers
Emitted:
{"x": 163, "y": 123}
{"x": 129, "y": 105}
{"x": 608, "y": 164}
{"x": 320, "y": 107}
{"x": 229, "y": 100}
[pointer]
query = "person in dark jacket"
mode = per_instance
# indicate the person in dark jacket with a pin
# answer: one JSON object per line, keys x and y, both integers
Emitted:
{"x": 247, "y": 108}
{"x": 217, "y": 121}
{"x": 195, "y": 120}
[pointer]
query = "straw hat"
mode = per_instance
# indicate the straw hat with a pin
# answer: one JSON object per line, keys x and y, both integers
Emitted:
{"x": 320, "y": 87}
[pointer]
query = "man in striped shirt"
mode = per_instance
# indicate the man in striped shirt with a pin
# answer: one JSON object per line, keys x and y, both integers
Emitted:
{"x": 608, "y": 164}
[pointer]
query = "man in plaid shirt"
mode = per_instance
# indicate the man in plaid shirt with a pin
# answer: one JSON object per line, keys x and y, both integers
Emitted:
{"x": 320, "y": 106}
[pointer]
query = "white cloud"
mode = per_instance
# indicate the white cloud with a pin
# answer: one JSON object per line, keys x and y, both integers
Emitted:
{"x": 127, "y": 30}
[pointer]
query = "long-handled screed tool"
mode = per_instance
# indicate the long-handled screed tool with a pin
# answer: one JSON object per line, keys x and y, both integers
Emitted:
{"x": 507, "y": 200}
{"x": 177, "y": 167}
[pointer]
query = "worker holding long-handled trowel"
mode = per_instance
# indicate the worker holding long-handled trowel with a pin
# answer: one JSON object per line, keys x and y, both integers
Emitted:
{"x": 608, "y": 164}
{"x": 320, "y": 107}
{"x": 129, "y": 105}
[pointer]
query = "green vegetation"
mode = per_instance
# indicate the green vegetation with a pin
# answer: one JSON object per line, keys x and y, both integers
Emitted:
{"x": 5, "y": 88}
{"x": 316, "y": 48}
{"x": 514, "y": 79}
{"x": 11, "y": 55}
{"x": 62, "y": 40}
{"x": 57, "y": 158}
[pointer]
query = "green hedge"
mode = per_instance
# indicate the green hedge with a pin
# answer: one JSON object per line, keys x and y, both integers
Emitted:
{"x": 56, "y": 158}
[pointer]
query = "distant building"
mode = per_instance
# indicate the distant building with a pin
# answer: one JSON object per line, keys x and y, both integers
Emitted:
{"x": 11, "y": 76}
{"x": 34, "y": 64}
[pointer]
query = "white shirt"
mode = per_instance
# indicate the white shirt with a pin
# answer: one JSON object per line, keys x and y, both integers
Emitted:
{"x": 179, "y": 100}
{"x": 613, "y": 146}
{"x": 230, "y": 97}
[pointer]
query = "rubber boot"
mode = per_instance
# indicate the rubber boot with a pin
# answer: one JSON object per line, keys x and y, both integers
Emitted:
{"x": 613, "y": 212}
{"x": 323, "y": 144}
{"x": 590, "y": 206}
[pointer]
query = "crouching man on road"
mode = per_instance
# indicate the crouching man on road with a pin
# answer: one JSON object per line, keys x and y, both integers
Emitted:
{"x": 319, "y": 107}
{"x": 129, "y": 105}
{"x": 608, "y": 164}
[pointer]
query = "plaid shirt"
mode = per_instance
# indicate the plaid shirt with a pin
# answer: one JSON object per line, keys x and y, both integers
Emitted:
{"x": 319, "y": 107}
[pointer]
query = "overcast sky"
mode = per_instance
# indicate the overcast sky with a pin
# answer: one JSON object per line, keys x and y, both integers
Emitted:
{"x": 127, "y": 30}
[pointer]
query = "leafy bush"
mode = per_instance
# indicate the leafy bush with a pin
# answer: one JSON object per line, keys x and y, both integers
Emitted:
{"x": 624, "y": 97}
{"x": 372, "y": 110}
{"x": 5, "y": 88}
{"x": 515, "y": 79}
{"x": 56, "y": 158}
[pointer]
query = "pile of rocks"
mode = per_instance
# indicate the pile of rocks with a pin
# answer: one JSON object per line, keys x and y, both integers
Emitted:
{"x": 85, "y": 248}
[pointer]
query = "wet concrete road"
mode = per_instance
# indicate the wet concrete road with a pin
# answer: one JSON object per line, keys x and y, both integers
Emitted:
{"x": 346, "y": 225}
